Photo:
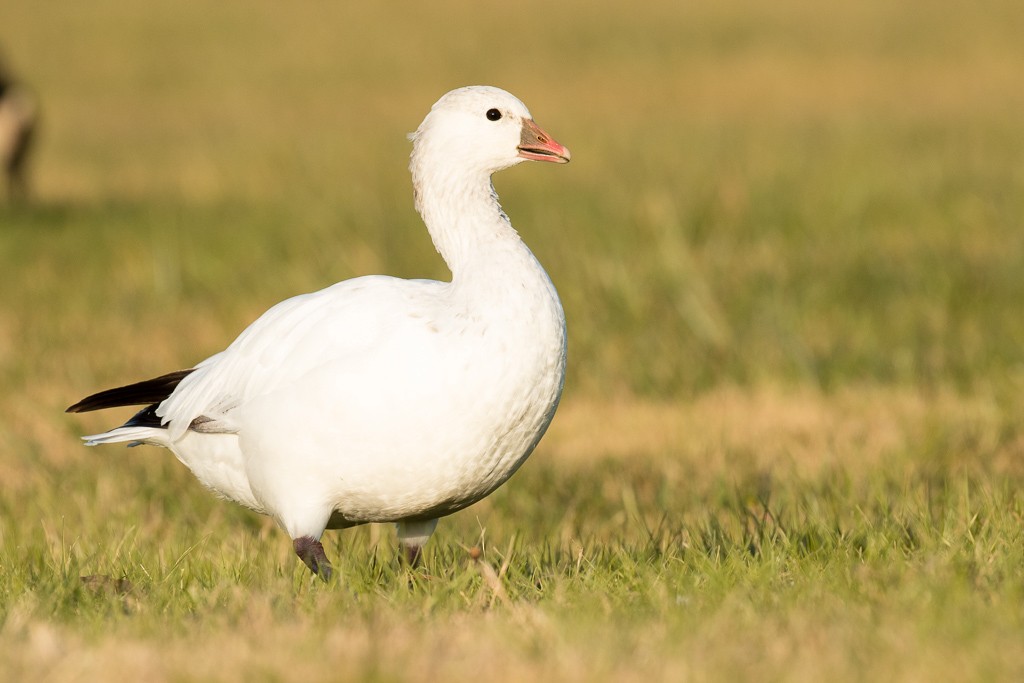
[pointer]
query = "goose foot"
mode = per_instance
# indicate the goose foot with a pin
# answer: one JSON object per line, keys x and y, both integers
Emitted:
{"x": 412, "y": 536}
{"x": 311, "y": 551}
{"x": 413, "y": 554}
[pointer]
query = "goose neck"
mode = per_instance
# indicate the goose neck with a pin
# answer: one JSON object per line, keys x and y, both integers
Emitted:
{"x": 464, "y": 219}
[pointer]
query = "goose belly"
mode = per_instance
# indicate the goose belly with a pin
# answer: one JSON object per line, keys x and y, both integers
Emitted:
{"x": 441, "y": 439}
{"x": 217, "y": 462}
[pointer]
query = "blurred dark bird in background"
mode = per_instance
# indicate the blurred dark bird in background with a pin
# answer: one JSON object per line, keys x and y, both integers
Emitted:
{"x": 19, "y": 114}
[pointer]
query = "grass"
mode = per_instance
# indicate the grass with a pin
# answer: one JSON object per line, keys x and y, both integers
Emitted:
{"x": 790, "y": 251}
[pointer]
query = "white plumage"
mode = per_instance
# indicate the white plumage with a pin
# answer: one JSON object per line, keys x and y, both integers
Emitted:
{"x": 380, "y": 399}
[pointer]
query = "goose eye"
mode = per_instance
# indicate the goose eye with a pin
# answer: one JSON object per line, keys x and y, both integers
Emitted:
{"x": 493, "y": 114}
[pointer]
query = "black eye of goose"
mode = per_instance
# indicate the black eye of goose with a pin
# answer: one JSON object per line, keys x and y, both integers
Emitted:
{"x": 493, "y": 114}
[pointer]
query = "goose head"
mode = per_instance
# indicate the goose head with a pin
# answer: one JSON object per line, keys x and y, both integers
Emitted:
{"x": 482, "y": 129}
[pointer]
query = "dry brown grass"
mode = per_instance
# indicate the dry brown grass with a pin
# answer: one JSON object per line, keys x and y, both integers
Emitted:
{"x": 802, "y": 429}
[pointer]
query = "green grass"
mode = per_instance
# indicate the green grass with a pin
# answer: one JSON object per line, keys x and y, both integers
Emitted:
{"x": 790, "y": 249}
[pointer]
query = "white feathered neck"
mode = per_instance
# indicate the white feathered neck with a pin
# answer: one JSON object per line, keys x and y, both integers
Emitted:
{"x": 460, "y": 209}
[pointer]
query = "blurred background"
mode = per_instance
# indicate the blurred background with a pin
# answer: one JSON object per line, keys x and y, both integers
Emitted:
{"x": 791, "y": 231}
{"x": 762, "y": 194}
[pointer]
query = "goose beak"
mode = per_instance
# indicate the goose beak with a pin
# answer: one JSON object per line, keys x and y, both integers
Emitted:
{"x": 536, "y": 145}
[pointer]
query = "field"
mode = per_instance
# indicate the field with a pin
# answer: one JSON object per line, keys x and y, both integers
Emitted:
{"x": 790, "y": 246}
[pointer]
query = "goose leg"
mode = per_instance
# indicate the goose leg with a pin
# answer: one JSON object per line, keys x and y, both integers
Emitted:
{"x": 311, "y": 551}
{"x": 412, "y": 536}
{"x": 413, "y": 554}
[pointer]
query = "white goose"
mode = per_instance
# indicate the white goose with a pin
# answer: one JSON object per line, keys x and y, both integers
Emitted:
{"x": 380, "y": 399}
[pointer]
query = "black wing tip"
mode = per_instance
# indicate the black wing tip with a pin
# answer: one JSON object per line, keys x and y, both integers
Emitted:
{"x": 89, "y": 403}
{"x": 79, "y": 407}
{"x": 141, "y": 393}
{"x": 146, "y": 417}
